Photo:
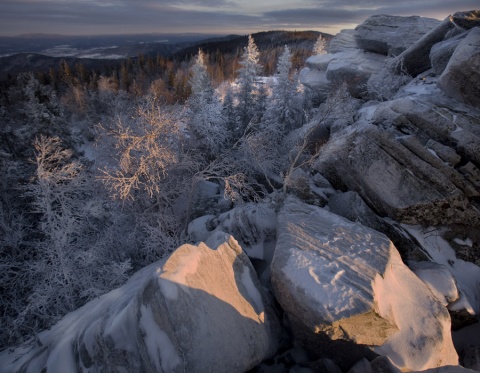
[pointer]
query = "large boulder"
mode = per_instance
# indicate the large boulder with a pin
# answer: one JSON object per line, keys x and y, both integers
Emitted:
{"x": 398, "y": 177}
{"x": 391, "y": 35}
{"x": 354, "y": 68}
{"x": 461, "y": 77}
{"x": 348, "y": 294}
{"x": 200, "y": 310}
{"x": 416, "y": 58}
{"x": 317, "y": 81}
{"x": 343, "y": 41}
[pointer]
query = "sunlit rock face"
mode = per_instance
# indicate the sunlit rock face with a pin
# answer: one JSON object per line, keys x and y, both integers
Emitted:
{"x": 348, "y": 294}
{"x": 201, "y": 310}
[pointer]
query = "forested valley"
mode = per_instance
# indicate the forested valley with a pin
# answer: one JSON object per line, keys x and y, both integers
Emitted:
{"x": 103, "y": 169}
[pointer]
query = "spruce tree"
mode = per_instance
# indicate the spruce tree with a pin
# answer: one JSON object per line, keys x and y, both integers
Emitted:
{"x": 247, "y": 81}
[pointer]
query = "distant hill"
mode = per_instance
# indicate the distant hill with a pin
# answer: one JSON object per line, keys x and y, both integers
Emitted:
{"x": 40, "y": 52}
{"x": 24, "y": 62}
{"x": 264, "y": 40}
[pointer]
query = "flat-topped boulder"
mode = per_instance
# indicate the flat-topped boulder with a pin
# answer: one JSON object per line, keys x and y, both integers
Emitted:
{"x": 200, "y": 310}
{"x": 348, "y": 294}
{"x": 391, "y": 35}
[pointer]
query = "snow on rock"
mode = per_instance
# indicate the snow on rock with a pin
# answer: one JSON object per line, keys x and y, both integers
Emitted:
{"x": 200, "y": 310}
{"x": 461, "y": 77}
{"x": 439, "y": 280}
{"x": 348, "y": 294}
{"x": 253, "y": 225}
{"x": 316, "y": 80}
{"x": 391, "y": 35}
{"x": 352, "y": 207}
{"x": 466, "y": 274}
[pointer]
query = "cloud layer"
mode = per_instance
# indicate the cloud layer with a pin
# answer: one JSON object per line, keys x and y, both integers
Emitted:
{"x": 216, "y": 16}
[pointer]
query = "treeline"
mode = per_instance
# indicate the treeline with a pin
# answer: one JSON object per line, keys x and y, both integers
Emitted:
{"x": 167, "y": 77}
{"x": 101, "y": 174}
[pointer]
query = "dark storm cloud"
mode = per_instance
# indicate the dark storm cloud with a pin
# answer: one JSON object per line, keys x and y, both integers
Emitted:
{"x": 222, "y": 16}
{"x": 119, "y": 16}
{"x": 325, "y": 13}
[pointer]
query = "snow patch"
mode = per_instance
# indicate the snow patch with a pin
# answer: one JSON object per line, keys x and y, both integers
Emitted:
{"x": 466, "y": 274}
{"x": 466, "y": 242}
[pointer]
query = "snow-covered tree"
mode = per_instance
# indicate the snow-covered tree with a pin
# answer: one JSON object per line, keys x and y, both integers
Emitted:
{"x": 320, "y": 46}
{"x": 285, "y": 107}
{"x": 201, "y": 85}
{"x": 247, "y": 81}
{"x": 229, "y": 113}
{"x": 206, "y": 123}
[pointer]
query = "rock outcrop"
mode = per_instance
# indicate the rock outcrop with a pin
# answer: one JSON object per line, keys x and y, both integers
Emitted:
{"x": 353, "y": 67}
{"x": 200, "y": 310}
{"x": 348, "y": 295}
{"x": 343, "y": 41}
{"x": 391, "y": 35}
{"x": 416, "y": 58}
{"x": 398, "y": 177}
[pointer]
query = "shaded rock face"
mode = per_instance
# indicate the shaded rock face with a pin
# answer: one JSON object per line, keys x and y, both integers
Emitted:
{"x": 467, "y": 19}
{"x": 399, "y": 179}
{"x": 391, "y": 35}
{"x": 200, "y": 310}
{"x": 347, "y": 293}
{"x": 416, "y": 58}
{"x": 441, "y": 53}
{"x": 436, "y": 46}
{"x": 461, "y": 77}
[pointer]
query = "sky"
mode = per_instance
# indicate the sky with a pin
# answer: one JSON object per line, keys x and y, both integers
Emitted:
{"x": 93, "y": 17}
